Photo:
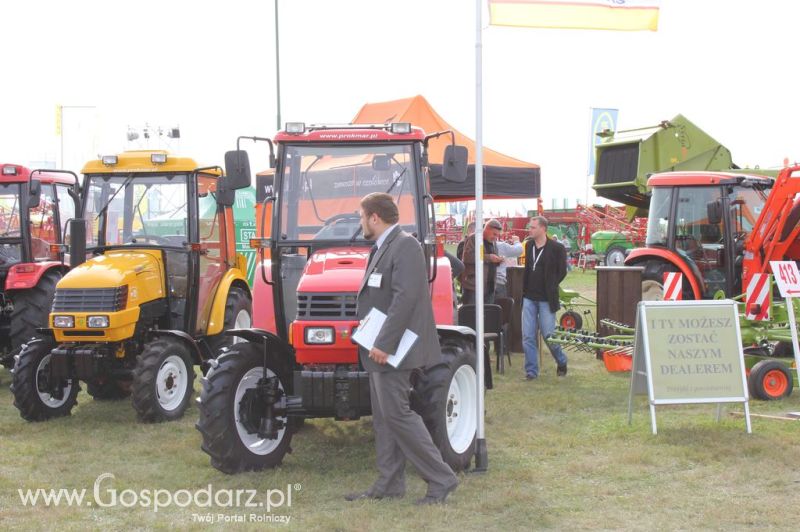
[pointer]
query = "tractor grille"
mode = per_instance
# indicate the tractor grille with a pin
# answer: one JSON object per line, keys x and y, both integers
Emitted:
{"x": 341, "y": 306}
{"x": 90, "y": 299}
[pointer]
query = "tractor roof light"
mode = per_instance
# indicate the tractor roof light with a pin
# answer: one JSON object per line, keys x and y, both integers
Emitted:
{"x": 400, "y": 128}
{"x": 9, "y": 170}
{"x": 158, "y": 158}
{"x": 110, "y": 160}
{"x": 295, "y": 128}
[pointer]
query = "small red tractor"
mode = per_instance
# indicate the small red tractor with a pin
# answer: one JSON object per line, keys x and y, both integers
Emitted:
{"x": 300, "y": 361}
{"x": 35, "y": 206}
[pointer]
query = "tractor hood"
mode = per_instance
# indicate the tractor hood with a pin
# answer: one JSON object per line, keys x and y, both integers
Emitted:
{"x": 334, "y": 270}
{"x": 140, "y": 269}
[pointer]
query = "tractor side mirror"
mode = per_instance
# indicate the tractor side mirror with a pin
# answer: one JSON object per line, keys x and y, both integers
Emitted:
{"x": 34, "y": 193}
{"x": 381, "y": 163}
{"x": 714, "y": 212}
{"x": 454, "y": 167}
{"x": 237, "y": 170}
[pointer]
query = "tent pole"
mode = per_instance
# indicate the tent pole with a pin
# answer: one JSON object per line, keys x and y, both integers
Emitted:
{"x": 481, "y": 451}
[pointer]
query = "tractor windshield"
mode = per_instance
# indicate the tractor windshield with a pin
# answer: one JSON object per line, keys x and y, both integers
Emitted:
{"x": 10, "y": 237}
{"x": 322, "y": 186}
{"x": 136, "y": 209}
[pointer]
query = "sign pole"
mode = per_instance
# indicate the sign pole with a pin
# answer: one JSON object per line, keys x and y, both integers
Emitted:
{"x": 793, "y": 325}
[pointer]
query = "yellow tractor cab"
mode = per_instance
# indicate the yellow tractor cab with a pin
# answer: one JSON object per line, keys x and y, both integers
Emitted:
{"x": 160, "y": 284}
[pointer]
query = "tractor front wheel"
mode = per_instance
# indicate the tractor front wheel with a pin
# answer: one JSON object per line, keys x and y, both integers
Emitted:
{"x": 163, "y": 380}
{"x": 446, "y": 396}
{"x": 35, "y": 396}
{"x": 770, "y": 380}
{"x": 232, "y": 415}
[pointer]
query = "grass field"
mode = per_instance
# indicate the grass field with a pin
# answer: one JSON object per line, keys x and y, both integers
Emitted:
{"x": 561, "y": 456}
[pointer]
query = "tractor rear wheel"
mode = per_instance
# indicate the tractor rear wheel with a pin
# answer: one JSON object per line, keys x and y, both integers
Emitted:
{"x": 571, "y": 320}
{"x": 770, "y": 380}
{"x": 229, "y": 437}
{"x": 163, "y": 380}
{"x": 653, "y": 280}
{"x": 446, "y": 395}
{"x": 36, "y": 398}
{"x": 238, "y": 315}
{"x": 32, "y": 308}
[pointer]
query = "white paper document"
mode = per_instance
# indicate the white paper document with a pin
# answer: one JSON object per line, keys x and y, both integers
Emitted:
{"x": 371, "y": 326}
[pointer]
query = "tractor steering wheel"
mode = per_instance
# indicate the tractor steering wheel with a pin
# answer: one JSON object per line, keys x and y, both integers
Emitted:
{"x": 159, "y": 240}
{"x": 349, "y": 216}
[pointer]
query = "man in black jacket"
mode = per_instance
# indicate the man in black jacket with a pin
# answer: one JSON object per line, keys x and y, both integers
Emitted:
{"x": 545, "y": 268}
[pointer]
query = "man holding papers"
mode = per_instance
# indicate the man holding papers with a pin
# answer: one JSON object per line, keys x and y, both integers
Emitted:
{"x": 395, "y": 291}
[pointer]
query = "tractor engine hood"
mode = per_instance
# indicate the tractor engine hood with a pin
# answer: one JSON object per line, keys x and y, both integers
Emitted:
{"x": 334, "y": 270}
{"x": 140, "y": 269}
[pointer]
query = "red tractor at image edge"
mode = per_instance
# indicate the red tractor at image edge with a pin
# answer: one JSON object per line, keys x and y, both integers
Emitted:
{"x": 300, "y": 361}
{"x": 35, "y": 207}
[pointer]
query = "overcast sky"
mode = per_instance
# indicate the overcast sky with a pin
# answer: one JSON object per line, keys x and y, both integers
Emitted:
{"x": 730, "y": 66}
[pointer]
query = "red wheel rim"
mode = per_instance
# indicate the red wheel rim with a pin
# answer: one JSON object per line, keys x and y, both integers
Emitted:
{"x": 775, "y": 383}
{"x": 568, "y": 321}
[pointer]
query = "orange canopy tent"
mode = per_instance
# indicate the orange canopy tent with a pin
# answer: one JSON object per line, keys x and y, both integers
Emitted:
{"x": 503, "y": 176}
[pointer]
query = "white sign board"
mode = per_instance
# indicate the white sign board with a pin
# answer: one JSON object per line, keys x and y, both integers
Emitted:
{"x": 787, "y": 277}
{"x": 688, "y": 352}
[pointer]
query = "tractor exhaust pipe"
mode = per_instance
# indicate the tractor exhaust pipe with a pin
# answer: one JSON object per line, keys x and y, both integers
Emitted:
{"x": 77, "y": 237}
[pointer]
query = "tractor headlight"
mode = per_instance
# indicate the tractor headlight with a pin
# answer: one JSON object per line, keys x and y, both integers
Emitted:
{"x": 97, "y": 322}
{"x": 63, "y": 322}
{"x": 319, "y": 335}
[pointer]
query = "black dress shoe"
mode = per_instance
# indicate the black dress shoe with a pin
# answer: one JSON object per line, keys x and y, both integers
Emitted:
{"x": 561, "y": 371}
{"x": 362, "y": 495}
{"x": 436, "y": 499}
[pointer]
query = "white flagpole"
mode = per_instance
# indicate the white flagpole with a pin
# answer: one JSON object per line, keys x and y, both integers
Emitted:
{"x": 481, "y": 452}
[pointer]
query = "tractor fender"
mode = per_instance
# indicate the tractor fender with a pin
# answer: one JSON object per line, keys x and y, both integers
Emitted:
{"x": 217, "y": 318}
{"x": 269, "y": 340}
{"x": 194, "y": 347}
{"x": 455, "y": 331}
{"x": 690, "y": 272}
{"x": 30, "y": 274}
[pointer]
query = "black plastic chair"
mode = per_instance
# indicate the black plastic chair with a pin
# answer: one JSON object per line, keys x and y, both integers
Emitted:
{"x": 507, "y": 304}
{"x": 492, "y": 326}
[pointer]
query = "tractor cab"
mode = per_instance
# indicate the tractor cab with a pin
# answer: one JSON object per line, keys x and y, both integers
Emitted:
{"x": 698, "y": 223}
{"x": 35, "y": 207}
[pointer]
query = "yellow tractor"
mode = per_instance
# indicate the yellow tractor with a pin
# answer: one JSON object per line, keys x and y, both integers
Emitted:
{"x": 160, "y": 284}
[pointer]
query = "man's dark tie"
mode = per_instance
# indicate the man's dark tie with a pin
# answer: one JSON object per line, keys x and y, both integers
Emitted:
{"x": 372, "y": 251}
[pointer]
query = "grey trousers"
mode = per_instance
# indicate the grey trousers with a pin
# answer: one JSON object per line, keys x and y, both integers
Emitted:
{"x": 400, "y": 435}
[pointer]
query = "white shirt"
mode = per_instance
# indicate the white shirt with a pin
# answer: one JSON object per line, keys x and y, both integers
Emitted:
{"x": 383, "y": 236}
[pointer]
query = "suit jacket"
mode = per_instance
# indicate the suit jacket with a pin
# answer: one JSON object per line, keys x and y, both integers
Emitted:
{"x": 489, "y": 268}
{"x": 404, "y": 297}
{"x": 554, "y": 262}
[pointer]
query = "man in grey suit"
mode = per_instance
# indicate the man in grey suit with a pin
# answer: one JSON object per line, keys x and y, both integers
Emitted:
{"x": 395, "y": 282}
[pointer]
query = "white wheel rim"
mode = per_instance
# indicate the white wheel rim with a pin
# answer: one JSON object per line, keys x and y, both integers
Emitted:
{"x": 171, "y": 382}
{"x": 460, "y": 409}
{"x": 254, "y": 443}
{"x": 615, "y": 258}
{"x": 652, "y": 291}
{"x": 45, "y": 397}
{"x": 243, "y": 321}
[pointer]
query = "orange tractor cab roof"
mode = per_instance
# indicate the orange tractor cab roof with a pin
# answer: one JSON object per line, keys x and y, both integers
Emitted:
{"x": 15, "y": 173}
{"x": 504, "y": 176}
{"x": 666, "y": 179}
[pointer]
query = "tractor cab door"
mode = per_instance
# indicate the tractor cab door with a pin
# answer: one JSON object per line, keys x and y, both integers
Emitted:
{"x": 212, "y": 250}
{"x": 699, "y": 238}
{"x": 43, "y": 225}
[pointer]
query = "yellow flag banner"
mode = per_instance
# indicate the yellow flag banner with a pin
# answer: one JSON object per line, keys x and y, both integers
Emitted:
{"x": 619, "y": 15}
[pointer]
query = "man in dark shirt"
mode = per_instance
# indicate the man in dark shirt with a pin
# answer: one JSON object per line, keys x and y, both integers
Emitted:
{"x": 491, "y": 232}
{"x": 545, "y": 268}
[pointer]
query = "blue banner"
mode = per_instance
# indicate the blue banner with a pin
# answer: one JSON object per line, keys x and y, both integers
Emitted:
{"x": 602, "y": 119}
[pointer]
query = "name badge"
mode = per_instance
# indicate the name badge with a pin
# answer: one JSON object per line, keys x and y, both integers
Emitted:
{"x": 375, "y": 280}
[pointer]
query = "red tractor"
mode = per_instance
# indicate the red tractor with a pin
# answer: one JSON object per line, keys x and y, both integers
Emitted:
{"x": 698, "y": 224}
{"x": 35, "y": 207}
{"x": 300, "y": 361}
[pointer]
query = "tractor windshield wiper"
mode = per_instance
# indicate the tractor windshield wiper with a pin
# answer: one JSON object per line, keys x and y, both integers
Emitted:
{"x": 114, "y": 195}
